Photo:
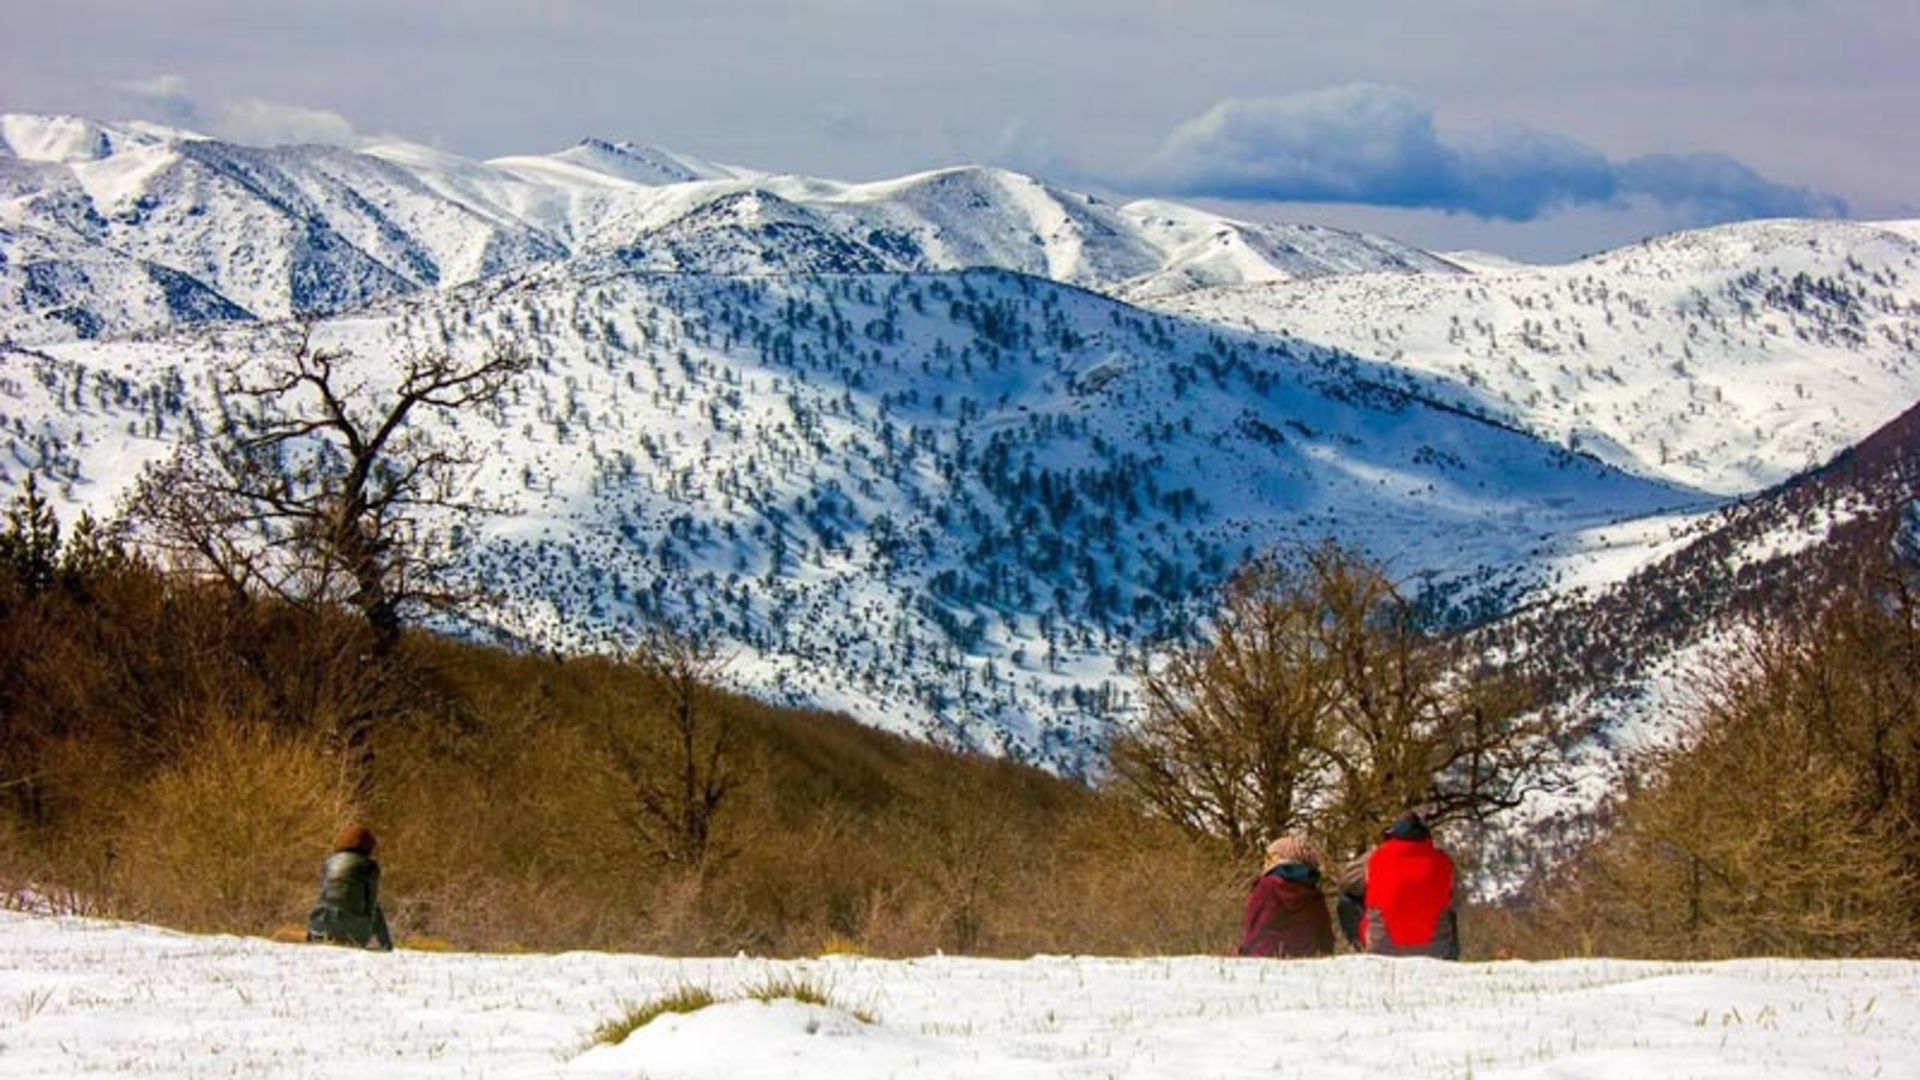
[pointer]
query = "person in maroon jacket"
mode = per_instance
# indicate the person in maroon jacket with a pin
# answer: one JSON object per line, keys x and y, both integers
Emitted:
{"x": 1397, "y": 900}
{"x": 1286, "y": 917}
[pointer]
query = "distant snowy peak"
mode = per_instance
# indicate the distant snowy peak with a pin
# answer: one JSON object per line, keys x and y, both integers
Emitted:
{"x": 752, "y": 232}
{"x": 973, "y": 216}
{"x": 1484, "y": 262}
{"x": 1204, "y": 250}
{"x": 1723, "y": 251}
{"x": 1909, "y": 229}
{"x": 276, "y": 231}
{"x": 65, "y": 140}
{"x": 619, "y": 163}
{"x": 308, "y": 229}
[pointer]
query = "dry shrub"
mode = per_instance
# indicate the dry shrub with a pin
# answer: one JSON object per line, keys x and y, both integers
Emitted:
{"x": 17, "y": 868}
{"x": 82, "y": 785}
{"x": 1119, "y": 885}
{"x": 229, "y": 837}
{"x": 686, "y": 914}
{"x": 501, "y": 835}
{"x": 961, "y": 856}
{"x": 797, "y": 882}
{"x": 836, "y": 944}
{"x": 1787, "y": 821}
{"x": 898, "y": 921}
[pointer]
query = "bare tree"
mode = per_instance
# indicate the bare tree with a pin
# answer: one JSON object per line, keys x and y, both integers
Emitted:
{"x": 1319, "y": 702}
{"x": 676, "y": 756}
{"x": 318, "y": 488}
{"x": 1232, "y": 744}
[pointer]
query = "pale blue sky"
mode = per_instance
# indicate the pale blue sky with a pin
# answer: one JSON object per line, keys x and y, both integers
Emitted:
{"x": 1542, "y": 128}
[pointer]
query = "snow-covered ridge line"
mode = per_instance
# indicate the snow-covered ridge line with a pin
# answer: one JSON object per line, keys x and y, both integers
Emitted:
{"x": 306, "y": 229}
{"x": 94, "y": 998}
{"x": 1723, "y": 359}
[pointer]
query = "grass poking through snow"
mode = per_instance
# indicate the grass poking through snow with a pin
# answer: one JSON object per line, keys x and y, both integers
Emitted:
{"x": 806, "y": 991}
{"x": 688, "y": 998}
{"x": 682, "y": 999}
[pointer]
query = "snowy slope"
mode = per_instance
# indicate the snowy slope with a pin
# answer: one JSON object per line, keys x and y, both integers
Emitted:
{"x": 940, "y": 502}
{"x": 1205, "y": 251}
{"x": 970, "y": 217}
{"x": 109, "y": 1000}
{"x": 617, "y": 164}
{"x": 1726, "y": 359}
{"x": 51, "y": 285}
{"x": 1643, "y": 614}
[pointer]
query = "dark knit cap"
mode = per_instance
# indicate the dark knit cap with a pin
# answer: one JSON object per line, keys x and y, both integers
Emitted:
{"x": 1409, "y": 826}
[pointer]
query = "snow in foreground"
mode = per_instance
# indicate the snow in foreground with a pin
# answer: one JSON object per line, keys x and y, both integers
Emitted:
{"x": 90, "y": 998}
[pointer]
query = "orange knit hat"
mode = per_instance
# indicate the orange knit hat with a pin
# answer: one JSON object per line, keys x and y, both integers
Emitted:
{"x": 354, "y": 838}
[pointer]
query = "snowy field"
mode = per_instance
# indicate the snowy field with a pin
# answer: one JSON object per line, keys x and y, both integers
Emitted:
{"x": 86, "y": 998}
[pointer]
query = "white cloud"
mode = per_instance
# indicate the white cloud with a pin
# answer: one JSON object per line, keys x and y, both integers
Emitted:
{"x": 269, "y": 123}
{"x": 254, "y": 121}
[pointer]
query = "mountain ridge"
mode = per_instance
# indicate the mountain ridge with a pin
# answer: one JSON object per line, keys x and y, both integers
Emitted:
{"x": 396, "y": 218}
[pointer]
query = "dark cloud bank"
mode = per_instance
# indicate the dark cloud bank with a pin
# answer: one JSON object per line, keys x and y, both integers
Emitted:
{"x": 1378, "y": 146}
{"x": 1361, "y": 144}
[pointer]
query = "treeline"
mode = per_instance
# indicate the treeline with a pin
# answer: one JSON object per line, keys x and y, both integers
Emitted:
{"x": 170, "y": 752}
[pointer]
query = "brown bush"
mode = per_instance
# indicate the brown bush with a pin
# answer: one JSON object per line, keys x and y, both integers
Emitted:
{"x": 224, "y": 837}
{"x": 1786, "y": 821}
{"x": 1321, "y": 702}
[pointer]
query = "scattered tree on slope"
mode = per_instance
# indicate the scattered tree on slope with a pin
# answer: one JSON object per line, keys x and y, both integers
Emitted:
{"x": 1320, "y": 702}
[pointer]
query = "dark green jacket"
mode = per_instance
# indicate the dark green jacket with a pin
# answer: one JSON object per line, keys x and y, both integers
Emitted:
{"x": 349, "y": 910}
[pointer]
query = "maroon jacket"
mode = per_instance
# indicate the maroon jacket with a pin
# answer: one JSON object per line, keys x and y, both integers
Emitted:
{"x": 1286, "y": 918}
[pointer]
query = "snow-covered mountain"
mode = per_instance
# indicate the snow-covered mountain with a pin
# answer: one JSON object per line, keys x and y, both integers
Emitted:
{"x": 942, "y": 502}
{"x": 1627, "y": 645}
{"x": 1727, "y": 359}
{"x": 58, "y": 284}
{"x": 299, "y": 230}
{"x": 936, "y": 450}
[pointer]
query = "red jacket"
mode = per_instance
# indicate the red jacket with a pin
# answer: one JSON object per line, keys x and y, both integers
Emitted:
{"x": 1285, "y": 919}
{"x": 1408, "y": 903}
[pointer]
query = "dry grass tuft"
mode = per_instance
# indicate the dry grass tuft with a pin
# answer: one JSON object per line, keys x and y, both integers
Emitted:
{"x": 685, "y": 998}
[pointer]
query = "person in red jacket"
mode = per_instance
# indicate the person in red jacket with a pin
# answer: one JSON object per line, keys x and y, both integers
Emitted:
{"x": 1286, "y": 917}
{"x": 1397, "y": 900}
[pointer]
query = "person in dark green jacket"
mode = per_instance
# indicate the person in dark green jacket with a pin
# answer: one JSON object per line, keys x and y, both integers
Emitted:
{"x": 349, "y": 909}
